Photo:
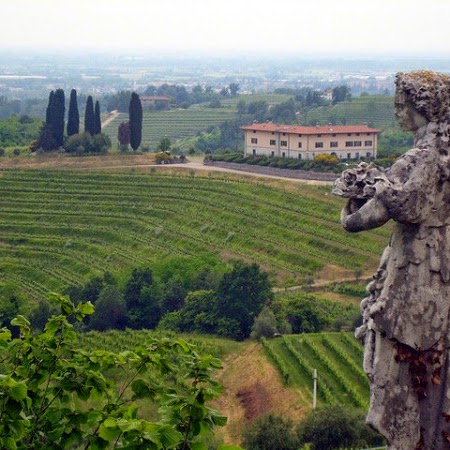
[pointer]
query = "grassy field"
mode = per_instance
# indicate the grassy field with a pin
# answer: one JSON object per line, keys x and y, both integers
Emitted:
{"x": 63, "y": 227}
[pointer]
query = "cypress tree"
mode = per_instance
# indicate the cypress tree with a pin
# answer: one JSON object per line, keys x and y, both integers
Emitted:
{"x": 89, "y": 125}
{"x": 59, "y": 110}
{"x": 73, "y": 120}
{"x": 97, "y": 119}
{"x": 48, "y": 111}
{"x": 135, "y": 115}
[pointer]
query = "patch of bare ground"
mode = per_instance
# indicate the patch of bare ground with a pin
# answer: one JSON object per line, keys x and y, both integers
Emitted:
{"x": 62, "y": 161}
{"x": 252, "y": 386}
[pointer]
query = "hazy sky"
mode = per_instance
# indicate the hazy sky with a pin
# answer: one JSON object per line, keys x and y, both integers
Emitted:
{"x": 298, "y": 26}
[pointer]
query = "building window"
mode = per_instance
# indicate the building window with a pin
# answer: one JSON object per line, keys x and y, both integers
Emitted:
{"x": 334, "y": 134}
{"x": 299, "y": 145}
{"x": 349, "y": 156}
{"x": 283, "y": 143}
{"x": 254, "y": 131}
{"x": 357, "y": 134}
{"x": 319, "y": 135}
{"x": 357, "y": 155}
{"x": 273, "y": 133}
{"x": 319, "y": 145}
{"x": 272, "y": 154}
{"x": 283, "y": 155}
{"x": 299, "y": 135}
{"x": 349, "y": 134}
{"x": 254, "y": 140}
{"x": 333, "y": 144}
{"x": 368, "y": 143}
{"x": 254, "y": 152}
{"x": 349, "y": 143}
{"x": 299, "y": 156}
{"x": 273, "y": 142}
{"x": 357, "y": 144}
{"x": 368, "y": 155}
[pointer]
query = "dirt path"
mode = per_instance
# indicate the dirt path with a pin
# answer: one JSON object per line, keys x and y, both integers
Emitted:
{"x": 252, "y": 386}
{"x": 113, "y": 115}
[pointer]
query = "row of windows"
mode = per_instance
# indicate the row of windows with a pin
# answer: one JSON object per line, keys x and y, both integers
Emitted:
{"x": 319, "y": 135}
{"x": 333, "y": 144}
{"x": 349, "y": 155}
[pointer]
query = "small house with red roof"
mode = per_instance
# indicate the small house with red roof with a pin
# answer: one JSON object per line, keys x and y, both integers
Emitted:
{"x": 301, "y": 142}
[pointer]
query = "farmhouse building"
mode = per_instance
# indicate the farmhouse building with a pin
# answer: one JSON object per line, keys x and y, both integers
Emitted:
{"x": 293, "y": 141}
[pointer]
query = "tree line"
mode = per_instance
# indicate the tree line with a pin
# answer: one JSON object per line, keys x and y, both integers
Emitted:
{"x": 52, "y": 134}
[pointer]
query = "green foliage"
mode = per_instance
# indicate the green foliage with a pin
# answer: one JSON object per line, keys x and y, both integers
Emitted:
{"x": 110, "y": 310}
{"x": 55, "y": 395}
{"x": 270, "y": 432}
{"x": 337, "y": 427}
{"x": 87, "y": 144}
{"x": 241, "y": 296}
{"x": 265, "y": 325}
{"x": 19, "y": 130}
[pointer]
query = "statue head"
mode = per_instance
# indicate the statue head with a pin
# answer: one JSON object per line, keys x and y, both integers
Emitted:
{"x": 421, "y": 97}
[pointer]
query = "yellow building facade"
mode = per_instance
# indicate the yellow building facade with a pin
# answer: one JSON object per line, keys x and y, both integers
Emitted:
{"x": 293, "y": 141}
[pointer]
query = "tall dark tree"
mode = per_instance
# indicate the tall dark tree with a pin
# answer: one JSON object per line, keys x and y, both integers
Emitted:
{"x": 89, "y": 117}
{"x": 135, "y": 115}
{"x": 58, "y": 110}
{"x": 73, "y": 120}
{"x": 97, "y": 119}
{"x": 52, "y": 133}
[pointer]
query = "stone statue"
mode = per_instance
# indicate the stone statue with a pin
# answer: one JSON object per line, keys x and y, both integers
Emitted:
{"x": 406, "y": 328}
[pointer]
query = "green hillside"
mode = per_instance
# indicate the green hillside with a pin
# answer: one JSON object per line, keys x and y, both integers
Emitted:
{"x": 63, "y": 227}
{"x": 337, "y": 358}
{"x": 174, "y": 124}
{"x": 376, "y": 111}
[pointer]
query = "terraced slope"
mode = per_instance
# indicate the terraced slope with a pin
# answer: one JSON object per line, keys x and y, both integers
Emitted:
{"x": 62, "y": 227}
{"x": 337, "y": 358}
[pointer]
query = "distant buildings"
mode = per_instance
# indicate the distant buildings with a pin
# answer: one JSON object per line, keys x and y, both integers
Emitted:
{"x": 154, "y": 102}
{"x": 293, "y": 141}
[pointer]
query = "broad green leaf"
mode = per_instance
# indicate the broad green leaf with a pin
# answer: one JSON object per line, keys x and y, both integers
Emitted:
{"x": 109, "y": 431}
{"x": 18, "y": 391}
{"x": 20, "y": 321}
{"x": 87, "y": 308}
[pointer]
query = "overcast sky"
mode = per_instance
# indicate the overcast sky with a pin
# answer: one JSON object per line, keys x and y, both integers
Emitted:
{"x": 303, "y": 27}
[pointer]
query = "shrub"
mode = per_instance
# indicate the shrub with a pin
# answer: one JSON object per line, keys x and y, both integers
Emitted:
{"x": 334, "y": 427}
{"x": 2, "y": 152}
{"x": 265, "y": 325}
{"x": 85, "y": 144}
{"x": 270, "y": 432}
{"x": 16, "y": 152}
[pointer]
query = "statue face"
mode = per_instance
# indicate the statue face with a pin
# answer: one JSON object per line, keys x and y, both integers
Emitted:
{"x": 409, "y": 118}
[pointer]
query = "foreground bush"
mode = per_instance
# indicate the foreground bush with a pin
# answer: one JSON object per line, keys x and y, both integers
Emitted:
{"x": 55, "y": 395}
{"x": 270, "y": 432}
{"x": 337, "y": 427}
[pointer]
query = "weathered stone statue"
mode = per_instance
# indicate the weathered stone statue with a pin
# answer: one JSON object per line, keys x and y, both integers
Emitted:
{"x": 406, "y": 328}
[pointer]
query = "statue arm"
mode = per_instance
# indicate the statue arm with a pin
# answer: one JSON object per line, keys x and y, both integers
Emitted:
{"x": 371, "y": 214}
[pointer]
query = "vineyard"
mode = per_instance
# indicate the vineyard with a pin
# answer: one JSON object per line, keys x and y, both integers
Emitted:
{"x": 174, "y": 124}
{"x": 376, "y": 111}
{"x": 63, "y": 227}
{"x": 337, "y": 358}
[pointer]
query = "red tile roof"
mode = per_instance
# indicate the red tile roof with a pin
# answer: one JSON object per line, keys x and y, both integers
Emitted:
{"x": 298, "y": 129}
